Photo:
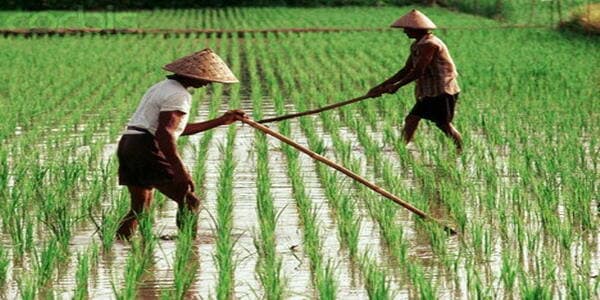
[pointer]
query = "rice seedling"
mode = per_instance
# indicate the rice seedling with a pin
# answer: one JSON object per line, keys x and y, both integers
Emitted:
{"x": 4, "y": 264}
{"x": 27, "y": 288}
{"x": 377, "y": 284}
{"x": 110, "y": 220}
{"x": 46, "y": 261}
{"x": 186, "y": 265}
{"x": 224, "y": 255}
{"x": 82, "y": 276}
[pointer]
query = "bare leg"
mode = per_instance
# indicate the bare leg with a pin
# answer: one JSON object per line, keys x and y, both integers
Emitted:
{"x": 190, "y": 203}
{"x": 451, "y": 132}
{"x": 140, "y": 200}
{"x": 411, "y": 122}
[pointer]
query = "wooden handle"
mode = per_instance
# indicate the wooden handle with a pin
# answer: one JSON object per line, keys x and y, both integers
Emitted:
{"x": 314, "y": 111}
{"x": 342, "y": 169}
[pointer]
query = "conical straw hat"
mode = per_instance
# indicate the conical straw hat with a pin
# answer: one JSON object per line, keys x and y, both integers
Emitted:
{"x": 204, "y": 65}
{"x": 414, "y": 19}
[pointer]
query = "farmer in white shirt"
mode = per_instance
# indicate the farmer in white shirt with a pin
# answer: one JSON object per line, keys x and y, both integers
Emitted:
{"x": 147, "y": 151}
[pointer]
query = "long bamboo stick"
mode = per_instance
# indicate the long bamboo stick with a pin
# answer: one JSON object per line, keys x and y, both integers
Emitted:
{"x": 342, "y": 169}
{"x": 314, "y": 111}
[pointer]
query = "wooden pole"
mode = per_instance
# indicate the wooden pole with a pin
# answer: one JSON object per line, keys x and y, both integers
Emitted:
{"x": 314, "y": 111}
{"x": 342, "y": 169}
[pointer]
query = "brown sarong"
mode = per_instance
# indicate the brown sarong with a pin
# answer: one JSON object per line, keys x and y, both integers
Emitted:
{"x": 141, "y": 163}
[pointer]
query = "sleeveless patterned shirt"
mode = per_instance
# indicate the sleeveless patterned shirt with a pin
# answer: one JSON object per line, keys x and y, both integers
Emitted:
{"x": 440, "y": 75}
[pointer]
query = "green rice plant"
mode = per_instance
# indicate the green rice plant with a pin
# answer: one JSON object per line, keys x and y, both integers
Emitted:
{"x": 269, "y": 264}
{"x": 20, "y": 225}
{"x": 46, "y": 261}
{"x": 4, "y": 264}
{"x": 424, "y": 287}
{"x": 224, "y": 254}
{"x": 27, "y": 288}
{"x": 509, "y": 271}
{"x": 141, "y": 256}
{"x": 376, "y": 281}
{"x": 186, "y": 264}
{"x": 476, "y": 287}
{"x": 225, "y": 243}
{"x": 326, "y": 284}
{"x": 110, "y": 220}
{"x": 578, "y": 287}
{"x": 135, "y": 267}
{"x": 82, "y": 276}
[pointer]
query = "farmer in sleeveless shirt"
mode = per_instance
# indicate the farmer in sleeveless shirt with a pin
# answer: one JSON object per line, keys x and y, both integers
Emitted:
{"x": 147, "y": 150}
{"x": 433, "y": 69}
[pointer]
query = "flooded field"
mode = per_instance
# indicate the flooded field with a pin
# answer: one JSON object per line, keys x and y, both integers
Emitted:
{"x": 274, "y": 222}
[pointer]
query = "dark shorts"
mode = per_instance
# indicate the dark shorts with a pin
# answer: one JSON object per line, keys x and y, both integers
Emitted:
{"x": 438, "y": 109}
{"x": 141, "y": 163}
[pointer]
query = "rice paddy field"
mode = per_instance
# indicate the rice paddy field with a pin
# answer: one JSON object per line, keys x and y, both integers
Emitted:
{"x": 275, "y": 224}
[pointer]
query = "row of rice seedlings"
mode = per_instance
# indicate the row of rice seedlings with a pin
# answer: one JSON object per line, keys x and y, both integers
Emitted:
{"x": 85, "y": 261}
{"x": 376, "y": 279}
{"x": 56, "y": 215}
{"x": 224, "y": 240}
{"x": 323, "y": 276}
{"x": 4, "y": 264}
{"x": 186, "y": 261}
{"x": 141, "y": 257}
{"x": 225, "y": 243}
{"x": 270, "y": 263}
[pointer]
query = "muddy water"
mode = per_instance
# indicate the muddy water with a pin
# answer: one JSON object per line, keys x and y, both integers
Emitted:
{"x": 295, "y": 261}
{"x": 205, "y": 283}
{"x": 245, "y": 216}
{"x": 370, "y": 240}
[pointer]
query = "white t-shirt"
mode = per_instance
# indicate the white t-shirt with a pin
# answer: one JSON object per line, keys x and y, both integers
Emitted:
{"x": 167, "y": 95}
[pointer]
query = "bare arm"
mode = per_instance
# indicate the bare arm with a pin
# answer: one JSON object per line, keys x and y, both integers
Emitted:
{"x": 427, "y": 51}
{"x": 193, "y": 128}
{"x": 399, "y": 75}
{"x": 226, "y": 119}
{"x": 376, "y": 91}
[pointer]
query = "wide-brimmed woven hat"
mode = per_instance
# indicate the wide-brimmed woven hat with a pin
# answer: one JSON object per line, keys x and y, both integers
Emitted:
{"x": 414, "y": 19}
{"x": 204, "y": 65}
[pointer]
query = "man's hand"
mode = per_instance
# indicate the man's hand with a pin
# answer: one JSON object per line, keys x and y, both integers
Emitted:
{"x": 232, "y": 115}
